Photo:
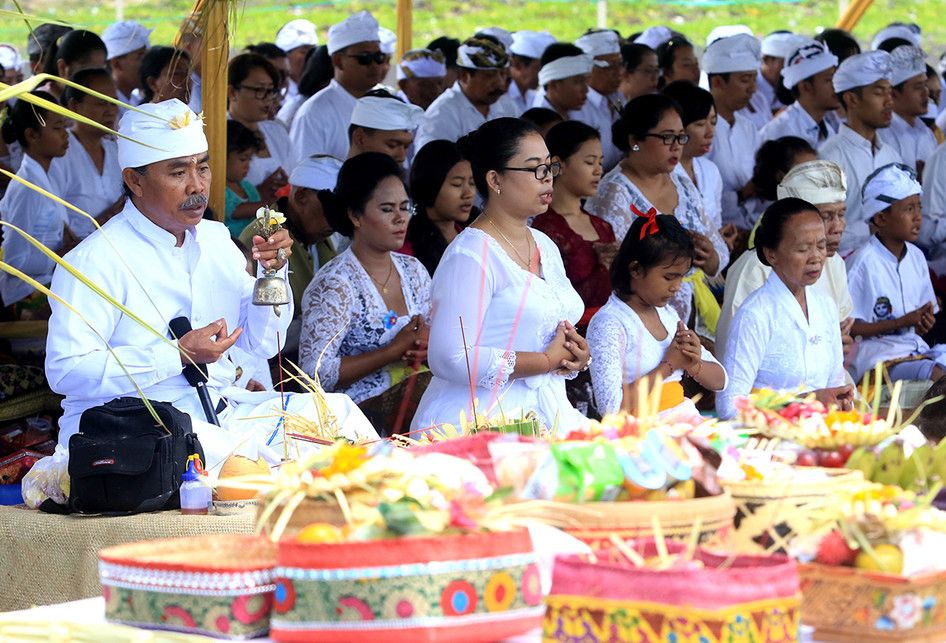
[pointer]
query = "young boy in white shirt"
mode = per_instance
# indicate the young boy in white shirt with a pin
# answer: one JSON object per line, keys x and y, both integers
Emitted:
{"x": 889, "y": 280}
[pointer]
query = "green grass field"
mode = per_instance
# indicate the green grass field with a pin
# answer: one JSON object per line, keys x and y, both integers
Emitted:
{"x": 566, "y": 19}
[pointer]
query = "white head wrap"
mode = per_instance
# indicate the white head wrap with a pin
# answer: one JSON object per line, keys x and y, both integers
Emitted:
{"x": 316, "y": 173}
{"x": 600, "y": 43}
{"x": 10, "y": 57}
{"x": 779, "y": 44}
{"x": 358, "y": 27}
{"x": 906, "y": 61}
{"x": 809, "y": 57}
{"x": 388, "y": 114}
{"x": 910, "y": 33}
{"x": 653, "y": 37}
{"x": 422, "y": 63}
{"x": 530, "y": 44}
{"x": 296, "y": 33}
{"x": 725, "y": 31}
{"x": 388, "y": 40}
{"x": 124, "y": 37}
{"x": 169, "y": 130}
{"x": 500, "y": 34}
{"x": 887, "y": 185}
{"x": 478, "y": 53}
{"x": 739, "y": 53}
{"x": 566, "y": 67}
{"x": 818, "y": 182}
{"x": 862, "y": 70}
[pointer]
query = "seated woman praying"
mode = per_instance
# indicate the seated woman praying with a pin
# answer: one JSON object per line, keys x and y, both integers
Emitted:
{"x": 636, "y": 334}
{"x": 502, "y": 331}
{"x": 786, "y": 335}
{"x": 364, "y": 316}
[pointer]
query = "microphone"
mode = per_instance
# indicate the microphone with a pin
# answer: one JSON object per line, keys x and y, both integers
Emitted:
{"x": 196, "y": 375}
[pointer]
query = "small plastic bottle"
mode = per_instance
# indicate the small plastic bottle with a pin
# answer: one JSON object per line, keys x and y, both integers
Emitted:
{"x": 195, "y": 492}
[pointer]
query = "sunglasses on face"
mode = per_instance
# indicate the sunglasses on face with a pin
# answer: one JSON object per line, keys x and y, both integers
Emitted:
{"x": 367, "y": 57}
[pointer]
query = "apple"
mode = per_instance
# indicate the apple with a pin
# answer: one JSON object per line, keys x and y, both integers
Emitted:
{"x": 846, "y": 450}
{"x": 807, "y": 459}
{"x": 831, "y": 459}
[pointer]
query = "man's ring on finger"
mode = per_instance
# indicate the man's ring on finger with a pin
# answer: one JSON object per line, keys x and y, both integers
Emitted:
{"x": 281, "y": 254}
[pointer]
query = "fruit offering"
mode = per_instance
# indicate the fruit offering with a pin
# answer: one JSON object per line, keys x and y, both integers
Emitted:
{"x": 806, "y": 421}
{"x": 896, "y": 462}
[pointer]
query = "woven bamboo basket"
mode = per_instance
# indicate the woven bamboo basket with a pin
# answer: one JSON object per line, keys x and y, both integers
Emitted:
{"x": 770, "y": 514}
{"x": 218, "y": 585}
{"x": 851, "y": 605}
{"x": 595, "y": 522}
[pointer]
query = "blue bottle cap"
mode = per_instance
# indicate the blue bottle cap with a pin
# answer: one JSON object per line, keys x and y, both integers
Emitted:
{"x": 191, "y": 474}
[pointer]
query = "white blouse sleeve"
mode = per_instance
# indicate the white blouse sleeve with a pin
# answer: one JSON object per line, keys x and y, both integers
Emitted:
{"x": 326, "y": 317}
{"x": 612, "y": 203}
{"x": 745, "y": 349}
{"x": 608, "y": 343}
{"x": 455, "y": 297}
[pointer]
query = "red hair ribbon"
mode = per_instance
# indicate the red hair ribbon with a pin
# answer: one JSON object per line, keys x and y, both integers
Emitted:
{"x": 650, "y": 226}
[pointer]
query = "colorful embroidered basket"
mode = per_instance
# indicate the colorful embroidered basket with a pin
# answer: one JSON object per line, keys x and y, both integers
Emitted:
{"x": 847, "y": 604}
{"x": 770, "y": 514}
{"x": 216, "y": 585}
{"x": 733, "y": 600}
{"x": 477, "y": 587}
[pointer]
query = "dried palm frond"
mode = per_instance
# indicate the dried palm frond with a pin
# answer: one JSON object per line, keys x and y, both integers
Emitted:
{"x": 31, "y": 629}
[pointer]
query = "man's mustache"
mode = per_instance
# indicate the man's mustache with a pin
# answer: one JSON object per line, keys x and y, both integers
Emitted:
{"x": 194, "y": 202}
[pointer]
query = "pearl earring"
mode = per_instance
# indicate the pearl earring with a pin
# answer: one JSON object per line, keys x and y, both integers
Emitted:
{"x": 498, "y": 191}
{"x": 636, "y": 148}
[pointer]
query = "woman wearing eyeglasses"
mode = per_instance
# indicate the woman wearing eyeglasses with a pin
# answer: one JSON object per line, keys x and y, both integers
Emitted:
{"x": 254, "y": 84}
{"x": 650, "y": 132}
{"x": 502, "y": 331}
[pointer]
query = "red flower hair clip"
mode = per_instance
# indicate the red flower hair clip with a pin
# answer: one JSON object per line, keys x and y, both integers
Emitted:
{"x": 650, "y": 226}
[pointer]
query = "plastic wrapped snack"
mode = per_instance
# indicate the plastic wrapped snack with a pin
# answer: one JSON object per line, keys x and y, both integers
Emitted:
{"x": 49, "y": 478}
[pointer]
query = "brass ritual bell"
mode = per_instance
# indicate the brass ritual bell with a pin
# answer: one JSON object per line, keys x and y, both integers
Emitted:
{"x": 270, "y": 289}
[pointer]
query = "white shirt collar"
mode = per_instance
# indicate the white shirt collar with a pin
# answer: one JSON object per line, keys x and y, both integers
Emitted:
{"x": 151, "y": 231}
{"x": 855, "y": 139}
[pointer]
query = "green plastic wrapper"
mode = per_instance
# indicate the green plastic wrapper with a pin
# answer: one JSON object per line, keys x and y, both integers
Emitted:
{"x": 587, "y": 471}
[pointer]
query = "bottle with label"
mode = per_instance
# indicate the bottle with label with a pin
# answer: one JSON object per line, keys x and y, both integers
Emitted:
{"x": 195, "y": 492}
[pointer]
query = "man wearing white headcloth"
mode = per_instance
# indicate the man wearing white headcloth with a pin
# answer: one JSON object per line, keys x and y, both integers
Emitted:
{"x": 605, "y": 100}
{"x": 477, "y": 96}
{"x": 899, "y": 30}
{"x": 420, "y": 76}
{"x": 12, "y": 64}
{"x": 863, "y": 84}
{"x": 160, "y": 259}
{"x": 732, "y": 64}
{"x": 908, "y": 134}
{"x": 126, "y": 44}
{"x": 504, "y": 36}
{"x": 653, "y": 37}
{"x": 894, "y": 301}
{"x": 526, "y": 55}
{"x": 822, "y": 184}
{"x": 321, "y": 124}
{"x": 808, "y": 74}
{"x": 776, "y": 47}
{"x": 563, "y": 79}
{"x": 382, "y": 122}
{"x": 296, "y": 38}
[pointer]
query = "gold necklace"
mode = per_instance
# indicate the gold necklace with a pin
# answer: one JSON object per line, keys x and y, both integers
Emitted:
{"x": 384, "y": 286}
{"x": 527, "y": 264}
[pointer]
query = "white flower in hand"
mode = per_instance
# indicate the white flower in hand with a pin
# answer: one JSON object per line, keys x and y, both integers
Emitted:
{"x": 270, "y": 217}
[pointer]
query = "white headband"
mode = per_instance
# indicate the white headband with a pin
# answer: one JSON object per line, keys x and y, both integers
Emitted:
{"x": 566, "y": 67}
{"x": 733, "y": 54}
{"x": 296, "y": 33}
{"x": 862, "y": 70}
{"x": 169, "y": 130}
{"x": 905, "y": 32}
{"x": 653, "y": 37}
{"x": 810, "y": 57}
{"x": 906, "y": 62}
{"x": 388, "y": 114}
{"x": 818, "y": 182}
{"x": 531, "y": 44}
{"x": 316, "y": 173}
{"x": 780, "y": 44}
{"x": 886, "y": 186}
{"x": 356, "y": 28}
{"x": 421, "y": 63}
{"x": 600, "y": 43}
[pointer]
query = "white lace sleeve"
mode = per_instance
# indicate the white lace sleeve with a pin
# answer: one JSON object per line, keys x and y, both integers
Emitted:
{"x": 612, "y": 203}
{"x": 326, "y": 316}
{"x": 456, "y": 296}
{"x": 608, "y": 342}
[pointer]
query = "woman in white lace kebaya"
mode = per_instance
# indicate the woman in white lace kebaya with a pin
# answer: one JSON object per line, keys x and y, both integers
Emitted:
{"x": 651, "y": 133}
{"x": 503, "y": 308}
{"x": 786, "y": 335}
{"x": 364, "y": 314}
{"x": 636, "y": 334}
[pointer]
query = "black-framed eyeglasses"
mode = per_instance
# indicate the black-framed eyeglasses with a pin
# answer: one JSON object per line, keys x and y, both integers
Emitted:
{"x": 541, "y": 172}
{"x": 670, "y": 139}
{"x": 367, "y": 57}
{"x": 261, "y": 92}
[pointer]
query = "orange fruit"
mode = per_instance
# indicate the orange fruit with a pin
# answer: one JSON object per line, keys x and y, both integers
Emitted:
{"x": 320, "y": 533}
{"x": 887, "y": 558}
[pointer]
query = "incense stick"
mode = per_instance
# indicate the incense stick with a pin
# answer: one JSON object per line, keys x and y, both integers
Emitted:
{"x": 469, "y": 373}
